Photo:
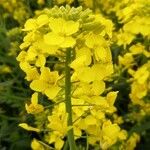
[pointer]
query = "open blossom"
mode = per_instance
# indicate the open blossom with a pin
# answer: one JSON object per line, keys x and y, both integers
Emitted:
{"x": 34, "y": 107}
{"x": 98, "y": 44}
{"x": 33, "y": 24}
{"x": 36, "y": 145}
{"x": 97, "y": 72}
{"x": 110, "y": 134}
{"x": 61, "y": 33}
{"x": 47, "y": 83}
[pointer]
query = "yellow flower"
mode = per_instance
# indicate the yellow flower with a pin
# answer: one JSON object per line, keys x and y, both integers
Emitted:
{"x": 95, "y": 73}
{"x": 109, "y": 134}
{"x": 30, "y": 25}
{"x": 36, "y": 55}
{"x": 35, "y": 145}
{"x": 85, "y": 89}
{"x": 42, "y": 20}
{"x": 137, "y": 49}
{"x": 47, "y": 83}
{"x": 118, "y": 119}
{"x": 132, "y": 142}
{"x": 142, "y": 74}
{"x": 59, "y": 144}
{"x": 100, "y": 47}
{"x": 31, "y": 73}
{"x": 53, "y": 137}
{"x": 106, "y": 23}
{"x": 126, "y": 60}
{"x": 111, "y": 97}
{"x": 61, "y": 32}
{"x": 124, "y": 38}
{"x": 58, "y": 120}
{"x": 138, "y": 91}
{"x": 90, "y": 120}
{"x": 97, "y": 87}
{"x": 22, "y": 56}
{"x": 83, "y": 58}
{"x": 58, "y": 125}
{"x": 99, "y": 102}
{"x": 34, "y": 107}
{"x": 30, "y": 38}
{"x": 142, "y": 26}
{"x": 33, "y": 24}
{"x": 29, "y": 128}
{"x": 44, "y": 48}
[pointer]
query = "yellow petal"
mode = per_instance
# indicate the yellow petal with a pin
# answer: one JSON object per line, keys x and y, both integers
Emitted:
{"x": 45, "y": 74}
{"x": 34, "y": 98}
{"x": 59, "y": 144}
{"x": 83, "y": 51}
{"x": 45, "y": 47}
{"x": 98, "y": 87}
{"x": 34, "y": 108}
{"x": 103, "y": 54}
{"x": 25, "y": 66}
{"x": 71, "y": 27}
{"x": 85, "y": 74}
{"x": 56, "y": 25}
{"x": 90, "y": 120}
{"x": 35, "y": 145}
{"x": 30, "y": 25}
{"x": 111, "y": 97}
{"x": 22, "y": 55}
{"x": 32, "y": 74}
{"x": 68, "y": 42}
{"x": 31, "y": 54}
{"x": 59, "y": 25}
{"x": 42, "y": 20}
{"x": 101, "y": 71}
{"x": 100, "y": 101}
{"x": 83, "y": 58}
{"x": 41, "y": 60}
{"x": 93, "y": 40}
{"x": 53, "y": 39}
{"x": 52, "y": 92}
{"x": 111, "y": 130}
{"x": 24, "y": 45}
{"x": 79, "y": 62}
{"x": 38, "y": 85}
{"x": 29, "y": 128}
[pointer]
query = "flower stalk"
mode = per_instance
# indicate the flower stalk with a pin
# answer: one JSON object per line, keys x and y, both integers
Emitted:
{"x": 70, "y": 134}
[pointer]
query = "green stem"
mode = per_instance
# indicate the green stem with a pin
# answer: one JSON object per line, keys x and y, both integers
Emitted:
{"x": 66, "y": 146}
{"x": 70, "y": 134}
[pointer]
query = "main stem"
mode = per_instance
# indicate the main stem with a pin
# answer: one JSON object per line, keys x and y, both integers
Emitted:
{"x": 70, "y": 134}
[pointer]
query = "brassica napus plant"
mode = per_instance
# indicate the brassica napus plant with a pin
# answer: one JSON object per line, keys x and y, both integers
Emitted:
{"x": 66, "y": 58}
{"x": 134, "y": 36}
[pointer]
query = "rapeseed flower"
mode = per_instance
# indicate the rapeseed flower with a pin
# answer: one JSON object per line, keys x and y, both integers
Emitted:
{"x": 34, "y": 107}
{"x": 36, "y": 145}
{"x": 61, "y": 32}
{"x": 47, "y": 83}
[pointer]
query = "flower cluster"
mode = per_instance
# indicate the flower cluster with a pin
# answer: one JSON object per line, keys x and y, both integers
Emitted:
{"x": 136, "y": 57}
{"x": 50, "y": 35}
{"x": 16, "y": 10}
